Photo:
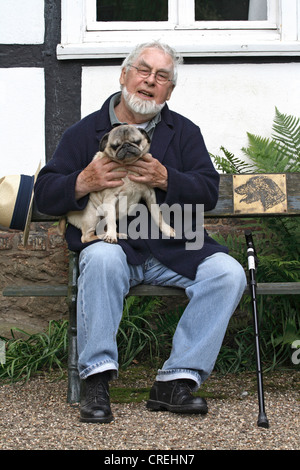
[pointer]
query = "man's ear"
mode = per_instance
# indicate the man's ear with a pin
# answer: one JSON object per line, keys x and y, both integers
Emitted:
{"x": 122, "y": 76}
{"x": 103, "y": 142}
{"x": 170, "y": 92}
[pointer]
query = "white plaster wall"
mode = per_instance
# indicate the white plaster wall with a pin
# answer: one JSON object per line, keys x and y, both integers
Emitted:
{"x": 21, "y": 22}
{"x": 226, "y": 101}
{"x": 22, "y": 120}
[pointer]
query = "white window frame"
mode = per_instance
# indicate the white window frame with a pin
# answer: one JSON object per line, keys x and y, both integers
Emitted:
{"x": 83, "y": 37}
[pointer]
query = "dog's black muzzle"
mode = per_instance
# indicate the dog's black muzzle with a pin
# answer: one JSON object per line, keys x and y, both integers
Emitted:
{"x": 127, "y": 150}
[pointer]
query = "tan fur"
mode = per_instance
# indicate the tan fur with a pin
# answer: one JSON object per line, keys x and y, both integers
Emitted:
{"x": 116, "y": 145}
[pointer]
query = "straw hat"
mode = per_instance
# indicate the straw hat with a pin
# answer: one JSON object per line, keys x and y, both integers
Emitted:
{"x": 16, "y": 200}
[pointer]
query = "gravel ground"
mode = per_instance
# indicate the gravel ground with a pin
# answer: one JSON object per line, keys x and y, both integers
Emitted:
{"x": 35, "y": 416}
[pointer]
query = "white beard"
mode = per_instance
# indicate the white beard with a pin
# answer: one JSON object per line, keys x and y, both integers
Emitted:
{"x": 139, "y": 106}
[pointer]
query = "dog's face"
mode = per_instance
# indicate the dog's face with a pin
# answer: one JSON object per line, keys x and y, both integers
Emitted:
{"x": 125, "y": 144}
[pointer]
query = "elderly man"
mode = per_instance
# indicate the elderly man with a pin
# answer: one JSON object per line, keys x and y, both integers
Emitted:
{"x": 179, "y": 168}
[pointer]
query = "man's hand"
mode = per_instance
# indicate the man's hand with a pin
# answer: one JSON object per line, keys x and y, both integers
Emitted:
{"x": 150, "y": 171}
{"x": 99, "y": 174}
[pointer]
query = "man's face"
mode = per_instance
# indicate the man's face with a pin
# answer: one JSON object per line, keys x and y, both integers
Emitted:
{"x": 147, "y": 89}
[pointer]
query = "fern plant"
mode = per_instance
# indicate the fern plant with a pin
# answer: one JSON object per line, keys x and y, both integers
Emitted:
{"x": 287, "y": 132}
{"x": 279, "y": 154}
{"x": 229, "y": 163}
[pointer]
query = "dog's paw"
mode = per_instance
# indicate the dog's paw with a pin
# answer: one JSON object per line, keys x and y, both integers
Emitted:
{"x": 109, "y": 239}
{"x": 169, "y": 232}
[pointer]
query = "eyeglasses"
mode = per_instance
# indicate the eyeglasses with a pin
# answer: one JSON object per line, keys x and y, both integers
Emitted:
{"x": 160, "y": 77}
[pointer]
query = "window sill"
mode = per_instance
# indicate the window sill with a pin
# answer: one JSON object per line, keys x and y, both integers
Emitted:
{"x": 108, "y": 50}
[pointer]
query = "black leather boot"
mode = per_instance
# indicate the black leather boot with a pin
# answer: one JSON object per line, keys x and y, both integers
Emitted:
{"x": 175, "y": 396}
{"x": 95, "y": 402}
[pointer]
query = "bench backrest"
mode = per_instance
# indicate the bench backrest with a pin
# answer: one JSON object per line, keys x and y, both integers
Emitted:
{"x": 244, "y": 195}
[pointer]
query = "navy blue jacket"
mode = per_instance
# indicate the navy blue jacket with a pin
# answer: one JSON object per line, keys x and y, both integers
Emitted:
{"x": 177, "y": 143}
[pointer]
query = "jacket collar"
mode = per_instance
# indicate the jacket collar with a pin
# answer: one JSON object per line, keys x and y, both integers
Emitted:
{"x": 102, "y": 117}
{"x": 163, "y": 133}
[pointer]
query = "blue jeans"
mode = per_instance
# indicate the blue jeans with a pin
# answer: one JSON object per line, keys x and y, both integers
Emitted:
{"x": 104, "y": 281}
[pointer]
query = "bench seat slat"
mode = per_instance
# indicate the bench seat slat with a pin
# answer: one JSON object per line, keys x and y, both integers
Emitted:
{"x": 142, "y": 289}
{"x": 36, "y": 291}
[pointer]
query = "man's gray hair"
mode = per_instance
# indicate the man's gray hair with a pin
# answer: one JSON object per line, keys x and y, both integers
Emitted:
{"x": 175, "y": 56}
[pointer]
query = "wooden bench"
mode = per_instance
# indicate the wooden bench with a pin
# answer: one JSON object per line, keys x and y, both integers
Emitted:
{"x": 272, "y": 195}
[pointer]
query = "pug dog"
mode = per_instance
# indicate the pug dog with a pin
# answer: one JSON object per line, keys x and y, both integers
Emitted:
{"x": 123, "y": 144}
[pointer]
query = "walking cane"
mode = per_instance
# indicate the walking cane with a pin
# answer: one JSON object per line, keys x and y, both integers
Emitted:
{"x": 252, "y": 264}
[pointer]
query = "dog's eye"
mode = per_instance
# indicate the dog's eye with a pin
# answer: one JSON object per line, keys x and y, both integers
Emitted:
{"x": 114, "y": 146}
{"x": 138, "y": 142}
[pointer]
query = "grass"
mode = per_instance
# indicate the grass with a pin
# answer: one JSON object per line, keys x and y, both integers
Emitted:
{"x": 129, "y": 395}
{"x": 30, "y": 353}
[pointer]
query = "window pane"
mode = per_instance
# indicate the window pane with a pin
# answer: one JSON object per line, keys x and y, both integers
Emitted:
{"x": 222, "y": 10}
{"x": 132, "y": 10}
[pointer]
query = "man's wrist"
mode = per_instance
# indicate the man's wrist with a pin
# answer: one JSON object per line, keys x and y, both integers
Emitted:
{"x": 164, "y": 184}
{"x": 80, "y": 187}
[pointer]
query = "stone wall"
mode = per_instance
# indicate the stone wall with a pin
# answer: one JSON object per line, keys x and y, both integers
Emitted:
{"x": 43, "y": 261}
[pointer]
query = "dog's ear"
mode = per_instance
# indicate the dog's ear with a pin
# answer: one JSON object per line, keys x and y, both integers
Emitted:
{"x": 142, "y": 131}
{"x": 103, "y": 142}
